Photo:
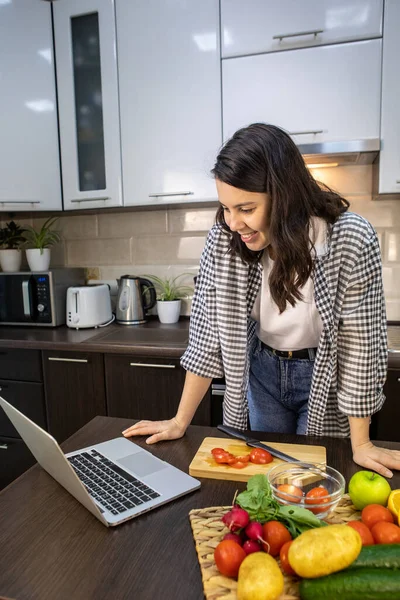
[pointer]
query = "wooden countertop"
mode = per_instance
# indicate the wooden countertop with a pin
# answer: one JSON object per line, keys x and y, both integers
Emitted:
{"x": 151, "y": 339}
{"x": 54, "y": 548}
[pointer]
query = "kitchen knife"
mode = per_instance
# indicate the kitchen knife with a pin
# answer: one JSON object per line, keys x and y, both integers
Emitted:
{"x": 237, "y": 433}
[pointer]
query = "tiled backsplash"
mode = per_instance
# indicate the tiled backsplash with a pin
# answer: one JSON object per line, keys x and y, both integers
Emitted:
{"x": 169, "y": 241}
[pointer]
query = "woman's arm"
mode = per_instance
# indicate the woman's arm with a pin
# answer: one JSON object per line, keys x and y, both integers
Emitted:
{"x": 193, "y": 392}
{"x": 366, "y": 454}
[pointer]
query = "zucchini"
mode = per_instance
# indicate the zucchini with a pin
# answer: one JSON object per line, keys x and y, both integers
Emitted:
{"x": 353, "y": 584}
{"x": 379, "y": 556}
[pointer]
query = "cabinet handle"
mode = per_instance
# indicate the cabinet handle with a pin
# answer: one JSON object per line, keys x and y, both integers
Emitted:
{"x": 306, "y": 132}
{"x": 281, "y": 36}
{"x": 90, "y": 199}
{"x": 19, "y": 201}
{"x": 75, "y": 360}
{"x": 160, "y": 194}
{"x": 152, "y": 365}
{"x": 217, "y": 393}
{"x": 3, "y": 446}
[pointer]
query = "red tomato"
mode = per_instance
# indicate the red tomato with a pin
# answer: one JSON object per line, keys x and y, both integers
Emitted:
{"x": 244, "y": 458}
{"x": 275, "y": 534}
{"x": 318, "y": 495}
{"x": 362, "y": 529}
{"x": 217, "y": 451}
{"x": 385, "y": 533}
{"x": 228, "y": 556}
{"x": 373, "y": 513}
{"x": 293, "y": 490}
{"x": 223, "y": 458}
{"x": 258, "y": 456}
{"x": 283, "y": 555}
{"x": 238, "y": 464}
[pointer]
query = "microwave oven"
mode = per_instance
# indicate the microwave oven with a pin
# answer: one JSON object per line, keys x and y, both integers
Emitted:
{"x": 34, "y": 298}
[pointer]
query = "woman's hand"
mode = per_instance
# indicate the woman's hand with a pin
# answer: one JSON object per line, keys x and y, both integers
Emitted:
{"x": 158, "y": 430}
{"x": 377, "y": 459}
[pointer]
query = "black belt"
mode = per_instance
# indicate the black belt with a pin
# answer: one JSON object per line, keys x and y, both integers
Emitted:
{"x": 305, "y": 353}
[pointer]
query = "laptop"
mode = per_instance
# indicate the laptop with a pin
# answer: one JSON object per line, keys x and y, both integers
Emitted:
{"x": 115, "y": 480}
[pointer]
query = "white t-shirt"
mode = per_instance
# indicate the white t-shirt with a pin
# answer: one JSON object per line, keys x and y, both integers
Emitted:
{"x": 299, "y": 326}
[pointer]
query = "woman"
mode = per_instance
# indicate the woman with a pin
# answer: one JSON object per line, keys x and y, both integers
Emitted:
{"x": 288, "y": 305}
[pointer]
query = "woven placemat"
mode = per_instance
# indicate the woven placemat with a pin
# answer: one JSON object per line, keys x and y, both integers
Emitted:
{"x": 208, "y": 531}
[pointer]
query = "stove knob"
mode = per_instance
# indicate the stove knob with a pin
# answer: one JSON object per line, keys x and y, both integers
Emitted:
{"x": 40, "y": 307}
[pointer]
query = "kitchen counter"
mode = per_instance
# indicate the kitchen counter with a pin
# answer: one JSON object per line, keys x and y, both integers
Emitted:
{"x": 56, "y": 549}
{"x": 150, "y": 339}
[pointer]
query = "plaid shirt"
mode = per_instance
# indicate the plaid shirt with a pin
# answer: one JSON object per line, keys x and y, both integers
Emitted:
{"x": 350, "y": 365}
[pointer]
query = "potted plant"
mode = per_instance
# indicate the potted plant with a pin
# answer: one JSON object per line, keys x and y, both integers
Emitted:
{"x": 169, "y": 295}
{"x": 11, "y": 237}
{"x": 38, "y": 256}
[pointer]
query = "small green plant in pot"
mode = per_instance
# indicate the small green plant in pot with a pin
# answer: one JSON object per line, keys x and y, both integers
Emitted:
{"x": 11, "y": 238}
{"x": 38, "y": 255}
{"x": 169, "y": 295}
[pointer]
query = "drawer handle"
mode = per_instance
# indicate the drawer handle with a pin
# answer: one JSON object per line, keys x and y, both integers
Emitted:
{"x": 151, "y": 365}
{"x": 282, "y": 36}
{"x": 306, "y": 132}
{"x": 75, "y": 360}
{"x": 160, "y": 194}
{"x": 3, "y": 446}
{"x": 19, "y": 201}
{"x": 91, "y": 199}
{"x": 217, "y": 393}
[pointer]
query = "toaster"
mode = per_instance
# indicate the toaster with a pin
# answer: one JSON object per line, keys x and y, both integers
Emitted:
{"x": 89, "y": 306}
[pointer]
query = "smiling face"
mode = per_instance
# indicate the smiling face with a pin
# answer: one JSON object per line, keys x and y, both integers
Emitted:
{"x": 245, "y": 213}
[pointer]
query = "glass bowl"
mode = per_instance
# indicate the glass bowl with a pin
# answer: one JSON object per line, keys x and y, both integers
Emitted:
{"x": 299, "y": 479}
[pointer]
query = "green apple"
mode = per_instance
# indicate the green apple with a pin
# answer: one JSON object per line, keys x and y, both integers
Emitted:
{"x": 366, "y": 487}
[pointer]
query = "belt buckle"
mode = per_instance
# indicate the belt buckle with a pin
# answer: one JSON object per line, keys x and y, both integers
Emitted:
{"x": 290, "y": 354}
{"x": 274, "y": 351}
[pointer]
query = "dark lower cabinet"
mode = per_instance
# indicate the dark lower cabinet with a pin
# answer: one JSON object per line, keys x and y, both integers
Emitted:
{"x": 15, "y": 459}
{"x": 385, "y": 423}
{"x": 74, "y": 390}
{"x": 147, "y": 388}
{"x": 27, "y": 397}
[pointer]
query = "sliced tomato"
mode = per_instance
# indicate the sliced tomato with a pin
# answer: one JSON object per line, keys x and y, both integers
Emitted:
{"x": 217, "y": 451}
{"x": 258, "y": 456}
{"x": 224, "y": 458}
{"x": 244, "y": 458}
{"x": 238, "y": 464}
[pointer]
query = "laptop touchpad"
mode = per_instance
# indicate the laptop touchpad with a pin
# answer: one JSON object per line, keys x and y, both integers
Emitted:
{"x": 142, "y": 463}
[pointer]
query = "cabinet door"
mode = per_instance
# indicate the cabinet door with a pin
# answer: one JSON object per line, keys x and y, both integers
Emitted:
{"x": 389, "y": 161}
{"x": 385, "y": 423}
{"x": 258, "y": 26}
{"x": 147, "y": 388}
{"x": 15, "y": 458}
{"x": 170, "y": 99}
{"x": 75, "y": 391}
{"x": 21, "y": 365}
{"x": 27, "y": 398}
{"x": 327, "y": 91}
{"x": 87, "y": 82}
{"x": 29, "y": 155}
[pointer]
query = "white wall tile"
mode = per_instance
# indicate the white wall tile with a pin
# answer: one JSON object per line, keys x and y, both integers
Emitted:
{"x": 168, "y": 250}
{"x": 82, "y": 253}
{"x": 191, "y": 219}
{"x": 128, "y": 223}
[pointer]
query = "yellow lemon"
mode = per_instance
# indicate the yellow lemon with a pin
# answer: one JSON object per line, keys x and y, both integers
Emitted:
{"x": 394, "y": 504}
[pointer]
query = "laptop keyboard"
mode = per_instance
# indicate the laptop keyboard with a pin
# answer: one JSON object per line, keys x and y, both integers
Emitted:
{"x": 108, "y": 484}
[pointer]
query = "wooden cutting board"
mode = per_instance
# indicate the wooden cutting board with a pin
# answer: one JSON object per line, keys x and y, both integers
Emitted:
{"x": 203, "y": 464}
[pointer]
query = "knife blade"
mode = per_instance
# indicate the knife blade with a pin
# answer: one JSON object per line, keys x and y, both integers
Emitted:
{"x": 237, "y": 433}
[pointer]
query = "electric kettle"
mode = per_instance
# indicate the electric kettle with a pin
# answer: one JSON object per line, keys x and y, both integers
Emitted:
{"x": 131, "y": 306}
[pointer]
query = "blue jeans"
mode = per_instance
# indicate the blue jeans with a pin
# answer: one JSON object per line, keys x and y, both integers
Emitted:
{"x": 278, "y": 392}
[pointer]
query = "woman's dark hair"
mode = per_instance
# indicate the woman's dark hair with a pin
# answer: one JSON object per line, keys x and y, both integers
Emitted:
{"x": 263, "y": 158}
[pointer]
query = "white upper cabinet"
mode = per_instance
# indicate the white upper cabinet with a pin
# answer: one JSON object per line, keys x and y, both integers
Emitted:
{"x": 254, "y": 26}
{"x": 170, "y": 99}
{"x": 389, "y": 162}
{"x": 329, "y": 93}
{"x": 29, "y": 156}
{"x": 87, "y": 79}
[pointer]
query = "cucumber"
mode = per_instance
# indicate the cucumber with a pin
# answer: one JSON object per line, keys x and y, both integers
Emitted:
{"x": 379, "y": 556}
{"x": 353, "y": 584}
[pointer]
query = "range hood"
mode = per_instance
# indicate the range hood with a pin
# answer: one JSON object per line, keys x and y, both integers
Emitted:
{"x": 341, "y": 154}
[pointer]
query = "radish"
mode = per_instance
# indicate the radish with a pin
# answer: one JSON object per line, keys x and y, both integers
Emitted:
{"x": 235, "y": 519}
{"x": 251, "y": 546}
{"x": 254, "y": 532}
{"x": 233, "y": 536}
